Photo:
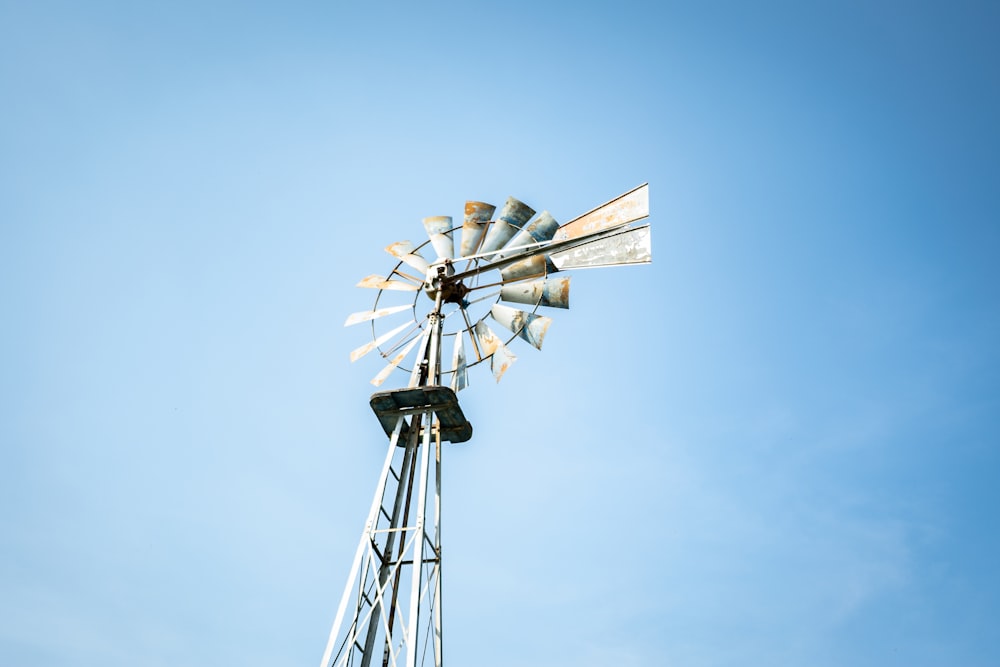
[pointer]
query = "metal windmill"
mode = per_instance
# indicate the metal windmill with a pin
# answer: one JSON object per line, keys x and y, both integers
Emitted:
{"x": 390, "y": 612}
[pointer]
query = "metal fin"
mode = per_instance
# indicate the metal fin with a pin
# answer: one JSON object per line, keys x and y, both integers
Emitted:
{"x": 438, "y": 228}
{"x": 366, "y": 315}
{"x": 629, "y": 207}
{"x": 492, "y": 346}
{"x": 512, "y": 217}
{"x": 542, "y": 228}
{"x": 460, "y": 379}
{"x": 533, "y": 267}
{"x": 630, "y": 247}
{"x": 553, "y": 292}
{"x": 376, "y": 281}
{"x": 477, "y": 214}
{"x": 526, "y": 325}
{"x": 398, "y": 359}
{"x": 403, "y": 250}
{"x": 378, "y": 342}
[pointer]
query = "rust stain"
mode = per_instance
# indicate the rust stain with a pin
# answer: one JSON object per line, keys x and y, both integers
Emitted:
{"x": 478, "y": 211}
{"x": 631, "y": 206}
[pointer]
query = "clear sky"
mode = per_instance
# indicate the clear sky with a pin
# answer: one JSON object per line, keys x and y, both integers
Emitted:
{"x": 776, "y": 445}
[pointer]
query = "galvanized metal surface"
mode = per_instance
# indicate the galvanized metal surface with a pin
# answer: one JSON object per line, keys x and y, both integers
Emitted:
{"x": 396, "y": 361}
{"x": 542, "y": 228}
{"x": 528, "y": 326}
{"x": 629, "y": 207}
{"x": 629, "y": 247}
{"x": 404, "y": 251}
{"x": 460, "y": 376}
{"x": 395, "y": 579}
{"x": 381, "y": 340}
{"x": 552, "y": 292}
{"x": 501, "y": 261}
{"x": 512, "y": 217}
{"x": 493, "y": 347}
{"x": 477, "y": 215}
{"x": 438, "y": 228}
{"x": 376, "y": 281}
{"x": 366, "y": 315}
{"x": 533, "y": 267}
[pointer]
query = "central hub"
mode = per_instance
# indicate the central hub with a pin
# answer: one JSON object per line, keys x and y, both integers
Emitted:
{"x": 437, "y": 280}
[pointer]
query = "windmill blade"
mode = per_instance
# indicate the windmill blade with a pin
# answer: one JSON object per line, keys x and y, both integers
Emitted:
{"x": 512, "y": 217}
{"x": 403, "y": 251}
{"x": 492, "y": 346}
{"x": 542, "y": 228}
{"x": 630, "y": 247}
{"x": 525, "y": 325}
{"x": 438, "y": 230}
{"x": 379, "y": 342}
{"x": 460, "y": 380}
{"x": 367, "y": 315}
{"x": 552, "y": 292}
{"x": 398, "y": 359}
{"x": 535, "y": 266}
{"x": 477, "y": 215}
{"x": 376, "y": 281}
{"x": 629, "y": 207}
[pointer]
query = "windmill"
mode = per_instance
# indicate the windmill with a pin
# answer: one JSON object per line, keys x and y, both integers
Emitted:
{"x": 490, "y": 271}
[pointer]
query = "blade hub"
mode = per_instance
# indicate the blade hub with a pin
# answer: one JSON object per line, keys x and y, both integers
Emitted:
{"x": 438, "y": 280}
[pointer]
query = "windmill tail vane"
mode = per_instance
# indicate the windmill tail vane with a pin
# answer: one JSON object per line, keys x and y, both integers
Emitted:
{"x": 436, "y": 307}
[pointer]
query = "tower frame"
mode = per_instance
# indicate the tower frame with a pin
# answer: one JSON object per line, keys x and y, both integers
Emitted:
{"x": 395, "y": 578}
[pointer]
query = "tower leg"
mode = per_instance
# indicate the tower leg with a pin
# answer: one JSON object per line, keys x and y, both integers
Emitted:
{"x": 437, "y": 540}
{"x": 391, "y": 603}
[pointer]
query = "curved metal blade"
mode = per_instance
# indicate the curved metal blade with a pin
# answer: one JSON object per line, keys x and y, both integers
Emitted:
{"x": 460, "y": 380}
{"x": 438, "y": 228}
{"x": 526, "y": 325}
{"x": 629, "y": 207}
{"x": 477, "y": 214}
{"x": 376, "y": 281}
{"x": 553, "y": 292}
{"x": 512, "y": 217}
{"x": 630, "y": 247}
{"x": 403, "y": 251}
{"x": 492, "y": 346}
{"x": 533, "y": 267}
{"x": 378, "y": 342}
{"x": 398, "y": 359}
{"x": 366, "y": 315}
{"x": 542, "y": 228}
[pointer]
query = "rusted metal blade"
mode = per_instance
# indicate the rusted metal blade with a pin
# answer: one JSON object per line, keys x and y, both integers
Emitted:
{"x": 492, "y": 346}
{"x": 367, "y": 315}
{"x": 533, "y": 267}
{"x": 512, "y": 217}
{"x": 438, "y": 228}
{"x": 542, "y": 228}
{"x": 630, "y": 247}
{"x": 553, "y": 292}
{"x": 403, "y": 250}
{"x": 378, "y": 342}
{"x": 398, "y": 359}
{"x": 526, "y": 325}
{"x": 460, "y": 380}
{"x": 629, "y": 207}
{"x": 477, "y": 214}
{"x": 376, "y": 281}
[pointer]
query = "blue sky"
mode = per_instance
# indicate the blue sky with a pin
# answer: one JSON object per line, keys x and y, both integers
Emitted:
{"x": 776, "y": 445}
